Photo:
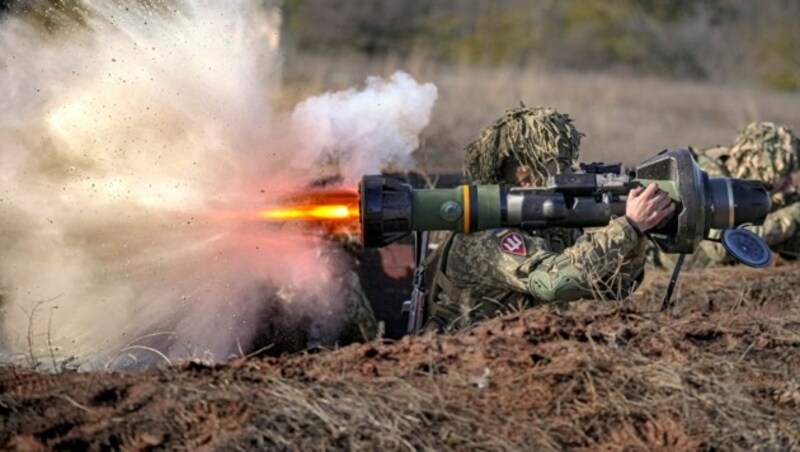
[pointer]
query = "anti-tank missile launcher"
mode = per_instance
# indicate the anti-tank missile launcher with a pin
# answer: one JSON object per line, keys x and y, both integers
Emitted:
{"x": 390, "y": 210}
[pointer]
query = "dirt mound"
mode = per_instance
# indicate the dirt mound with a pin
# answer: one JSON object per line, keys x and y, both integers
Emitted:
{"x": 717, "y": 371}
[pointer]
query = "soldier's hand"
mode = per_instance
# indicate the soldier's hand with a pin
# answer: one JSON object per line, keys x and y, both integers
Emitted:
{"x": 647, "y": 207}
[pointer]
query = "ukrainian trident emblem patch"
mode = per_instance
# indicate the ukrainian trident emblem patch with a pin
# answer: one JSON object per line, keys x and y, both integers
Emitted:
{"x": 513, "y": 243}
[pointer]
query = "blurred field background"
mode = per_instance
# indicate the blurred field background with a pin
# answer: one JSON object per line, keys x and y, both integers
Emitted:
{"x": 637, "y": 76}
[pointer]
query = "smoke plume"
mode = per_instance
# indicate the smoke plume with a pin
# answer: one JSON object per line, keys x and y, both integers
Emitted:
{"x": 136, "y": 147}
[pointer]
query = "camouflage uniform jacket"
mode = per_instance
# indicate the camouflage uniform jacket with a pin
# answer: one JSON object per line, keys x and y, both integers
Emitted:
{"x": 482, "y": 273}
{"x": 781, "y": 228}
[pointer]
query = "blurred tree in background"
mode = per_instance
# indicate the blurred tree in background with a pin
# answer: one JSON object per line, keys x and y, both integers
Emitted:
{"x": 719, "y": 40}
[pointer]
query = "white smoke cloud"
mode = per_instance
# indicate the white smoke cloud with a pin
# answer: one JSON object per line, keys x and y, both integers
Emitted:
{"x": 135, "y": 151}
{"x": 365, "y": 130}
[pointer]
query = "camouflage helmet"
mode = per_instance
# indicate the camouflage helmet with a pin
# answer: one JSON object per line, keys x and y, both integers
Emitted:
{"x": 530, "y": 136}
{"x": 763, "y": 151}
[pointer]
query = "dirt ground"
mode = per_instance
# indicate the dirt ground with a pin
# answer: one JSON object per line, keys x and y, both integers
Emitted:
{"x": 720, "y": 371}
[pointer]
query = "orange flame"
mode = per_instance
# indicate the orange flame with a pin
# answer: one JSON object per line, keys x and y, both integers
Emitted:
{"x": 312, "y": 213}
{"x": 319, "y": 205}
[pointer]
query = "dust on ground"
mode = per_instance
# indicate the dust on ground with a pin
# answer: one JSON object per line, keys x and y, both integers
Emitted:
{"x": 718, "y": 371}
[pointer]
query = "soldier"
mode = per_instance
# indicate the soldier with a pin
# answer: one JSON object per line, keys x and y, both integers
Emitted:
{"x": 478, "y": 275}
{"x": 761, "y": 151}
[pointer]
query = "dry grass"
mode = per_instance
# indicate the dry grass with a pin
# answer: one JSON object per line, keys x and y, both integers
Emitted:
{"x": 719, "y": 371}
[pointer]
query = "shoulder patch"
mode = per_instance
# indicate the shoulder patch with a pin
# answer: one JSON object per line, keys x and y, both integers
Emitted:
{"x": 513, "y": 243}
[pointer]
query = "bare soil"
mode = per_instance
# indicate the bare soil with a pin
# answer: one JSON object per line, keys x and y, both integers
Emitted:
{"x": 717, "y": 371}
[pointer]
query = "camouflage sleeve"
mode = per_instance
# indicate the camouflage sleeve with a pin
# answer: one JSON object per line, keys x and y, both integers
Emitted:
{"x": 779, "y": 226}
{"x": 494, "y": 258}
{"x": 633, "y": 265}
{"x": 606, "y": 263}
{"x": 608, "y": 259}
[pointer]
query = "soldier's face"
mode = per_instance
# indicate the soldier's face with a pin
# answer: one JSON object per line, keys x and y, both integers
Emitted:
{"x": 522, "y": 176}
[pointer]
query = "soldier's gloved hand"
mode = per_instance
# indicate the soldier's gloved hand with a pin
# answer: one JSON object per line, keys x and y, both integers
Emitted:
{"x": 647, "y": 207}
